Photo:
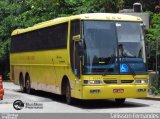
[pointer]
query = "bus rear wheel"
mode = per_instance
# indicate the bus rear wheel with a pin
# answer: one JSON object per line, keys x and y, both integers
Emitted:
{"x": 21, "y": 83}
{"x": 120, "y": 101}
{"x": 28, "y": 85}
{"x": 69, "y": 99}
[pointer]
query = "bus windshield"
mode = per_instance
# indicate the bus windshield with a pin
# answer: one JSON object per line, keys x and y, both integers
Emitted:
{"x": 108, "y": 44}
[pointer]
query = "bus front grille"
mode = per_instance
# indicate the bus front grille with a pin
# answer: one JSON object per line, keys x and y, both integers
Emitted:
{"x": 110, "y": 81}
{"x": 127, "y": 81}
{"x": 117, "y": 81}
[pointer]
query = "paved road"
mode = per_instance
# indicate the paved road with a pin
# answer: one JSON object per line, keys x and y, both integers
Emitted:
{"x": 56, "y": 104}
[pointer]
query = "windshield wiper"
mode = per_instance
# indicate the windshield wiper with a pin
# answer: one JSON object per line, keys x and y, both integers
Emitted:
{"x": 110, "y": 62}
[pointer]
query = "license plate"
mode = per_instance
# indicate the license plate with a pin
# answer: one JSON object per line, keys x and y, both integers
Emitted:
{"x": 118, "y": 90}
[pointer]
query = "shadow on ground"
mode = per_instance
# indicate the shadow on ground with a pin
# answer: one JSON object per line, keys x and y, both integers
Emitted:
{"x": 87, "y": 104}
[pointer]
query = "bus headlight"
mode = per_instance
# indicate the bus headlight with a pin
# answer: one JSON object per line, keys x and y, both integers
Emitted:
{"x": 92, "y": 82}
{"x": 141, "y": 81}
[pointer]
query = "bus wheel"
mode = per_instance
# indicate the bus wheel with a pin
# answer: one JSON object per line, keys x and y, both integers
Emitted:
{"x": 28, "y": 85}
{"x": 21, "y": 83}
{"x": 69, "y": 99}
{"x": 120, "y": 101}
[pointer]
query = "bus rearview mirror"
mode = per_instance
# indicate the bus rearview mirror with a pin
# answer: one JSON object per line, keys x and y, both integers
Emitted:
{"x": 76, "y": 38}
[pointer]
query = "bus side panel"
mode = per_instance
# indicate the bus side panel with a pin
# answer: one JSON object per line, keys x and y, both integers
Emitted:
{"x": 45, "y": 68}
{"x": 43, "y": 78}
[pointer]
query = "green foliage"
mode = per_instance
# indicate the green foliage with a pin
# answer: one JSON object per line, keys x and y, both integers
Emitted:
{"x": 154, "y": 31}
{"x": 24, "y": 13}
{"x": 89, "y": 6}
{"x": 154, "y": 90}
{"x": 154, "y": 86}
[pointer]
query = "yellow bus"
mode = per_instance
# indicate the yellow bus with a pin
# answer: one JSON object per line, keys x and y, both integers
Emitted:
{"x": 86, "y": 56}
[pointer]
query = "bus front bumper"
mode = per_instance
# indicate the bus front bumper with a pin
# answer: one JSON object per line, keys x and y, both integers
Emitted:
{"x": 114, "y": 91}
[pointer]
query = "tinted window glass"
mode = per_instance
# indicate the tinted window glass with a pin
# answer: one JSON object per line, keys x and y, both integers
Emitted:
{"x": 100, "y": 47}
{"x": 53, "y": 37}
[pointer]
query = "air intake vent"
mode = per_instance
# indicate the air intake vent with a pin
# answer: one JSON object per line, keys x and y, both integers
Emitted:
{"x": 117, "y": 81}
{"x": 110, "y": 81}
{"x": 127, "y": 81}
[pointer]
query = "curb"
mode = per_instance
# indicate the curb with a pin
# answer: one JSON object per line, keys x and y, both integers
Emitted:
{"x": 153, "y": 98}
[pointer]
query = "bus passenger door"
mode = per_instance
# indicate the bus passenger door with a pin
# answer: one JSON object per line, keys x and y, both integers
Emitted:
{"x": 75, "y": 57}
{"x": 74, "y": 48}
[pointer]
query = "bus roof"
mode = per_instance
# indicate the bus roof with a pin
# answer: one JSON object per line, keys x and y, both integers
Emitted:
{"x": 89, "y": 16}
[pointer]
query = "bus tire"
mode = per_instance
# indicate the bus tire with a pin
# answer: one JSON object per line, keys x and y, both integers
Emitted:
{"x": 28, "y": 84}
{"x": 21, "y": 83}
{"x": 69, "y": 99}
{"x": 120, "y": 101}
